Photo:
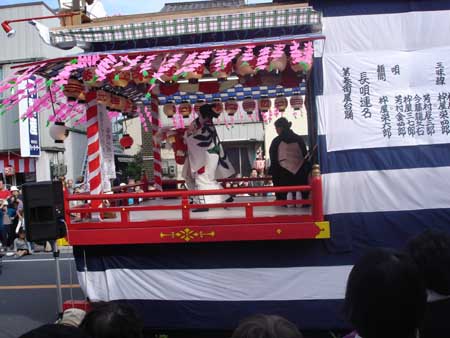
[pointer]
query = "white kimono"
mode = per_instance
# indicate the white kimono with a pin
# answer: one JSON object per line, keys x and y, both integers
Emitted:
{"x": 206, "y": 160}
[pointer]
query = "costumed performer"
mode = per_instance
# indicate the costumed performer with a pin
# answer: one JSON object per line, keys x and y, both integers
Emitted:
{"x": 206, "y": 160}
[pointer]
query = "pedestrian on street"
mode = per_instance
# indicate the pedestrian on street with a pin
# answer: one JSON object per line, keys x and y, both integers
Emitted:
{"x": 21, "y": 246}
{"x": 4, "y": 193}
{"x": 7, "y": 224}
{"x": 3, "y": 230}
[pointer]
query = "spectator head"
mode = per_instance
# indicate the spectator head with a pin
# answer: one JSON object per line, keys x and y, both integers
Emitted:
{"x": 80, "y": 179}
{"x": 112, "y": 320}
{"x": 266, "y": 326}
{"x": 385, "y": 295}
{"x": 431, "y": 252}
{"x": 70, "y": 183}
{"x": 282, "y": 125}
{"x": 55, "y": 331}
{"x": 14, "y": 190}
{"x": 254, "y": 173}
{"x": 21, "y": 233}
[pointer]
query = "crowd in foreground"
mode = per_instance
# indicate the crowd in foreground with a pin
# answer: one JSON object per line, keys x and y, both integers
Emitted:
{"x": 390, "y": 294}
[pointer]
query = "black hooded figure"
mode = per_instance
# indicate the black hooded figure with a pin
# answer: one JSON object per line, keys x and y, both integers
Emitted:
{"x": 287, "y": 158}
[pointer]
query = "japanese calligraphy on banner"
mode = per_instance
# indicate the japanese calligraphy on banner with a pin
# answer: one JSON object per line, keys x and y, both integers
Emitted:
{"x": 29, "y": 128}
{"x": 108, "y": 167}
{"x": 386, "y": 99}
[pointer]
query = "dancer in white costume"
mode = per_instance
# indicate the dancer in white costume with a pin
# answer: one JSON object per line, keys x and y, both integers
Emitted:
{"x": 206, "y": 160}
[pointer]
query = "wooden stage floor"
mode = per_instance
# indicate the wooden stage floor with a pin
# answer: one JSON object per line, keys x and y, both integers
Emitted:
{"x": 214, "y": 213}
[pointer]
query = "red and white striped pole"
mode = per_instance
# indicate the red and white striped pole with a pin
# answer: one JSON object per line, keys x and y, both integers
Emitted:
{"x": 94, "y": 170}
{"x": 157, "y": 165}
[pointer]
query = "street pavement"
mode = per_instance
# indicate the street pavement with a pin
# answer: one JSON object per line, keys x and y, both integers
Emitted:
{"x": 28, "y": 291}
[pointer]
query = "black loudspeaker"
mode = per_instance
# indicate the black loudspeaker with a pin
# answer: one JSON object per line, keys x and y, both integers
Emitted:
{"x": 43, "y": 204}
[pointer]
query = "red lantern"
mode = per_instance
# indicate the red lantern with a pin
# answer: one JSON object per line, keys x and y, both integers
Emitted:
{"x": 217, "y": 106}
{"x": 278, "y": 64}
{"x": 168, "y": 75}
{"x": 220, "y": 72}
{"x": 244, "y": 68}
{"x": 90, "y": 78}
{"x": 179, "y": 147}
{"x": 126, "y": 141}
{"x": 195, "y": 75}
{"x": 185, "y": 109}
{"x": 73, "y": 89}
{"x": 281, "y": 103}
{"x": 119, "y": 79}
{"x": 169, "y": 109}
{"x": 231, "y": 106}
{"x": 301, "y": 67}
{"x": 138, "y": 77}
{"x": 264, "y": 104}
{"x": 249, "y": 105}
{"x": 296, "y": 102}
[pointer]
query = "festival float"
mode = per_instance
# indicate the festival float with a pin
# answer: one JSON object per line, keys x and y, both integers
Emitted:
{"x": 190, "y": 271}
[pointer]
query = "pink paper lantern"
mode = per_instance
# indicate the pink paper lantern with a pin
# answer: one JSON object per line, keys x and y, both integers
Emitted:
{"x": 231, "y": 106}
{"x": 249, "y": 105}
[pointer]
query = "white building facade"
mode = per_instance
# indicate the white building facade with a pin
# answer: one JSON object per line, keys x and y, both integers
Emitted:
{"x": 47, "y": 159}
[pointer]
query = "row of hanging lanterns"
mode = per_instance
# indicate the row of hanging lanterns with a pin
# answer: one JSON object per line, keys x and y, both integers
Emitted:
{"x": 231, "y": 106}
{"x": 74, "y": 91}
{"x": 244, "y": 66}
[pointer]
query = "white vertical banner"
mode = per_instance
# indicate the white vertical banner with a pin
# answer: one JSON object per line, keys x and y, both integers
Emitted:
{"x": 386, "y": 99}
{"x": 29, "y": 128}
{"x": 108, "y": 167}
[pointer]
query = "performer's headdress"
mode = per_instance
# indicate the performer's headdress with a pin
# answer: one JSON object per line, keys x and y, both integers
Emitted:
{"x": 207, "y": 111}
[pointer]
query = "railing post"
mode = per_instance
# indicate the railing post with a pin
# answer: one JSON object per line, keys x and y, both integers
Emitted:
{"x": 66, "y": 207}
{"x": 248, "y": 211}
{"x": 185, "y": 208}
{"x": 316, "y": 192}
{"x": 124, "y": 216}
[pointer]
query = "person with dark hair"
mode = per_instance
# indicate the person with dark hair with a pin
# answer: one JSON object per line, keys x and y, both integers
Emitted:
{"x": 112, "y": 320}
{"x": 21, "y": 245}
{"x": 431, "y": 252}
{"x": 206, "y": 159}
{"x": 266, "y": 326}
{"x": 385, "y": 296}
{"x": 55, "y": 331}
{"x": 287, "y": 158}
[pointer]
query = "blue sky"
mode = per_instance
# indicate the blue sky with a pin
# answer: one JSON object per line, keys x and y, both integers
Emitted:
{"x": 114, "y": 7}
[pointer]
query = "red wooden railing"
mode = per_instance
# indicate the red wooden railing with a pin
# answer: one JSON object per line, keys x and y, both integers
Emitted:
{"x": 189, "y": 227}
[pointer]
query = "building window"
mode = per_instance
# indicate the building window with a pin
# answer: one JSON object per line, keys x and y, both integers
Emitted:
{"x": 241, "y": 157}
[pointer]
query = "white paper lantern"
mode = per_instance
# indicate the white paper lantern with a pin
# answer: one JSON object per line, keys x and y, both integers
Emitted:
{"x": 59, "y": 132}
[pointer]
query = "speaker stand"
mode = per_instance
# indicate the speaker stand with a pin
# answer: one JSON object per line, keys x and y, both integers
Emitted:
{"x": 59, "y": 299}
